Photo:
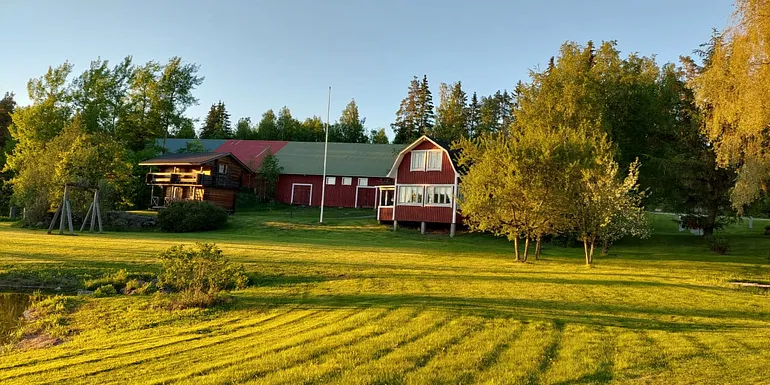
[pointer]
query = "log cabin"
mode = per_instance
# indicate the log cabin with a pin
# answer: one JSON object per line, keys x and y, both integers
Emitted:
{"x": 209, "y": 176}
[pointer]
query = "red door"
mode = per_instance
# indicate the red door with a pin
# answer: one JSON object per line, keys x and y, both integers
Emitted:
{"x": 366, "y": 197}
{"x": 301, "y": 194}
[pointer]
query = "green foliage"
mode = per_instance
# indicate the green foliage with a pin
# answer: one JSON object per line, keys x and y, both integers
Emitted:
{"x": 105, "y": 291}
{"x": 351, "y": 125}
{"x": 48, "y": 315}
{"x": 267, "y": 177}
{"x": 718, "y": 244}
{"x": 193, "y": 146}
{"x": 199, "y": 274}
{"x": 379, "y": 137}
{"x": 217, "y": 123}
{"x": 732, "y": 88}
{"x": 452, "y": 114}
{"x": 244, "y": 129}
{"x": 191, "y": 216}
{"x": 415, "y": 115}
{"x": 267, "y": 129}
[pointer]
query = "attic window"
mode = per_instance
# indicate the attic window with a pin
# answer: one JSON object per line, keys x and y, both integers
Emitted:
{"x": 418, "y": 161}
{"x": 426, "y": 160}
{"x": 434, "y": 160}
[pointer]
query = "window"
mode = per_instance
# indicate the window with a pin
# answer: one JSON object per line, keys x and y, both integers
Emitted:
{"x": 434, "y": 160}
{"x": 410, "y": 195}
{"x": 347, "y": 181}
{"x": 386, "y": 197}
{"x": 418, "y": 161}
{"x": 222, "y": 168}
{"x": 439, "y": 195}
{"x": 331, "y": 180}
{"x": 363, "y": 181}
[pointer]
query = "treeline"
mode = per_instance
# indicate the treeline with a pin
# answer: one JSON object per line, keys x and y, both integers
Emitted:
{"x": 283, "y": 126}
{"x": 93, "y": 129}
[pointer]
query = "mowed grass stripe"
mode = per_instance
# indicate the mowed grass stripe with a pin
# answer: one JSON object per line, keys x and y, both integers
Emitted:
{"x": 308, "y": 352}
{"x": 390, "y": 368}
{"x": 523, "y": 355}
{"x": 90, "y": 365}
{"x": 203, "y": 353}
{"x": 135, "y": 339}
{"x": 460, "y": 363}
{"x": 358, "y": 319}
{"x": 584, "y": 355}
{"x": 322, "y": 366}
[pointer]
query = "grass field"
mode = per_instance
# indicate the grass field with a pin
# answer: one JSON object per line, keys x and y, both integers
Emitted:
{"x": 351, "y": 302}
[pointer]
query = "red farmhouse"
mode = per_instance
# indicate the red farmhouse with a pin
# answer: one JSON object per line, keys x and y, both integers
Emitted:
{"x": 426, "y": 184}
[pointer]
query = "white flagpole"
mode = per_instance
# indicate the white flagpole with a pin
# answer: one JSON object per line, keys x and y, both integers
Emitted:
{"x": 326, "y": 148}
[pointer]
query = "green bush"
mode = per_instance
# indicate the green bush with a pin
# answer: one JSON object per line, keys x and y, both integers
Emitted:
{"x": 719, "y": 245}
{"x": 191, "y": 216}
{"x": 199, "y": 274}
{"x": 105, "y": 291}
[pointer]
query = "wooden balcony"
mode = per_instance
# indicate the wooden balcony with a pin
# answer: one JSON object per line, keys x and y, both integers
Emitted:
{"x": 175, "y": 178}
{"x": 191, "y": 179}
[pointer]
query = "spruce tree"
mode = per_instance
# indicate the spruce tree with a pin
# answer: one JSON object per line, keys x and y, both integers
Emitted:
{"x": 474, "y": 117}
{"x": 425, "y": 111}
{"x": 406, "y": 127}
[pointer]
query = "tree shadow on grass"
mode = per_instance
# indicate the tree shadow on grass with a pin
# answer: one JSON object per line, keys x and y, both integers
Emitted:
{"x": 608, "y": 315}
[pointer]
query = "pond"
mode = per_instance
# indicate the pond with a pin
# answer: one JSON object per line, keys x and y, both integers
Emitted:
{"x": 12, "y": 307}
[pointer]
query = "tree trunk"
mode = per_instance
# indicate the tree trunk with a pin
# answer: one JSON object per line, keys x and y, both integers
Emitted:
{"x": 585, "y": 251}
{"x": 708, "y": 227}
{"x": 526, "y": 249}
{"x": 591, "y": 251}
{"x": 606, "y": 247}
{"x": 516, "y": 247}
{"x": 537, "y": 248}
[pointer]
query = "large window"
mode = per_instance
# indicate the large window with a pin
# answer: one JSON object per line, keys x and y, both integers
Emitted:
{"x": 347, "y": 181}
{"x": 410, "y": 195}
{"x": 386, "y": 197}
{"x": 418, "y": 161}
{"x": 439, "y": 195}
{"x": 434, "y": 160}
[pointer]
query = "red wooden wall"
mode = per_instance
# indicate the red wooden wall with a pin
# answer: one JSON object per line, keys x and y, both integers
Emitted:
{"x": 337, "y": 195}
{"x": 444, "y": 177}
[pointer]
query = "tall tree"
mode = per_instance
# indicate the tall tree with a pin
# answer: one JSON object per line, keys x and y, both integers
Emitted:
{"x": 732, "y": 90}
{"x": 267, "y": 129}
{"x": 142, "y": 124}
{"x": 425, "y": 110}
{"x": 7, "y": 106}
{"x": 286, "y": 124}
{"x": 351, "y": 125}
{"x": 474, "y": 116}
{"x": 175, "y": 90}
{"x": 244, "y": 129}
{"x": 217, "y": 123}
{"x": 407, "y": 127}
{"x": 379, "y": 137}
{"x": 314, "y": 129}
{"x": 452, "y": 116}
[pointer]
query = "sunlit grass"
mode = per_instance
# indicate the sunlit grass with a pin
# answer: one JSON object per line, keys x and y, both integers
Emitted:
{"x": 349, "y": 301}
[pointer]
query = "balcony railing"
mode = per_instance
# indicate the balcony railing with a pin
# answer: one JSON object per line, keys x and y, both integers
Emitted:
{"x": 175, "y": 178}
{"x": 191, "y": 179}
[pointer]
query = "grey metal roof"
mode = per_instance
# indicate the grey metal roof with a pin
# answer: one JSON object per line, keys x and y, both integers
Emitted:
{"x": 343, "y": 159}
{"x": 192, "y": 159}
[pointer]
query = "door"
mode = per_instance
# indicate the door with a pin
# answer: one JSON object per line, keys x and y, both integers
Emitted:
{"x": 301, "y": 194}
{"x": 365, "y": 197}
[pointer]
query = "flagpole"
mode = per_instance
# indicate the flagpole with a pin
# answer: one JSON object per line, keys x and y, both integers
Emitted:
{"x": 326, "y": 148}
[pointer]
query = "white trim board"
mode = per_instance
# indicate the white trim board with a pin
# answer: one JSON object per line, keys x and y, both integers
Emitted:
{"x": 355, "y": 205}
{"x": 291, "y": 201}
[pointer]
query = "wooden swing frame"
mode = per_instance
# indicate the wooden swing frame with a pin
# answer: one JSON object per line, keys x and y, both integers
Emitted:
{"x": 64, "y": 210}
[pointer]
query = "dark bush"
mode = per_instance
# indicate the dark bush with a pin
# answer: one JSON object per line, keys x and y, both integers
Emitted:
{"x": 719, "y": 245}
{"x": 105, "y": 291}
{"x": 185, "y": 217}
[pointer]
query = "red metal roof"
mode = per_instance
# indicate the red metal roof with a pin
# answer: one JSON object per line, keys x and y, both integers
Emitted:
{"x": 251, "y": 152}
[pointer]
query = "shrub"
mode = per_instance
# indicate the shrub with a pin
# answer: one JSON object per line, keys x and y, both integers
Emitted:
{"x": 719, "y": 245}
{"x": 117, "y": 280}
{"x": 199, "y": 274}
{"x": 105, "y": 291}
{"x": 190, "y": 216}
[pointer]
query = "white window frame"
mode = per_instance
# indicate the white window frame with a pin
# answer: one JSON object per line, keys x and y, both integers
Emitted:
{"x": 293, "y": 185}
{"x": 363, "y": 182}
{"x": 424, "y": 154}
{"x": 440, "y": 160}
{"x": 347, "y": 181}
{"x": 428, "y": 197}
{"x": 333, "y": 180}
{"x": 399, "y": 195}
{"x": 384, "y": 190}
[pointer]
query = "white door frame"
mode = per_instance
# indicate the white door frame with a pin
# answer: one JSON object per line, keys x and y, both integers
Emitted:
{"x": 355, "y": 205}
{"x": 310, "y": 203}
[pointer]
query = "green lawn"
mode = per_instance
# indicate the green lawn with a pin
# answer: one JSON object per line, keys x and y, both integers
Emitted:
{"x": 352, "y": 302}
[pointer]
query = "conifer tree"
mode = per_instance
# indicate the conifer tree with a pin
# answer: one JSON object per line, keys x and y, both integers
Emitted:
{"x": 406, "y": 126}
{"x": 474, "y": 116}
{"x": 452, "y": 114}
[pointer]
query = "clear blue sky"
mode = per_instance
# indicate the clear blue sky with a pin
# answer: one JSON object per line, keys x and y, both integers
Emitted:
{"x": 265, "y": 54}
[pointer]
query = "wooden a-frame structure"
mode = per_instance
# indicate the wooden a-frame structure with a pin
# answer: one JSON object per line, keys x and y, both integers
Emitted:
{"x": 64, "y": 211}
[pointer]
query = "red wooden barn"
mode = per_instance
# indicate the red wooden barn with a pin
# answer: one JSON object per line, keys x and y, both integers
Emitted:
{"x": 425, "y": 186}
